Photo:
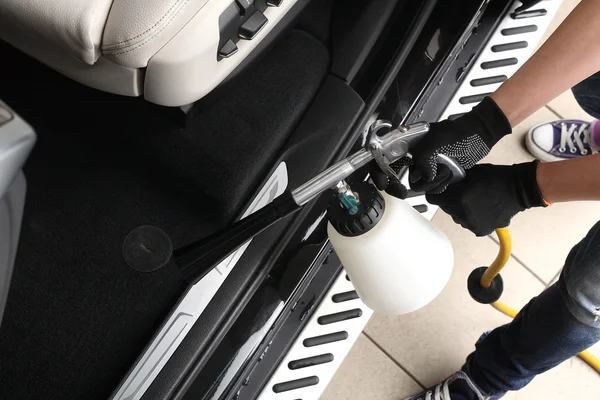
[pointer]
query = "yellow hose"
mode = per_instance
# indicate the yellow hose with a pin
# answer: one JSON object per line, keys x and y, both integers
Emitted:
{"x": 501, "y": 258}
{"x": 590, "y": 359}
{"x": 494, "y": 269}
{"x": 505, "y": 309}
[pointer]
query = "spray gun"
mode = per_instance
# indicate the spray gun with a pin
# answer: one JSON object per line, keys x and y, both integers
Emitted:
{"x": 396, "y": 259}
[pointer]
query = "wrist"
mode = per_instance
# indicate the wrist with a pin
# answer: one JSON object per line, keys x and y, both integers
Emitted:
{"x": 514, "y": 112}
{"x": 545, "y": 182}
{"x": 526, "y": 175}
{"x": 491, "y": 121}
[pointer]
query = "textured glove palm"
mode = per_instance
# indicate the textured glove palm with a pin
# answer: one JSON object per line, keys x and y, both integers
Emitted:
{"x": 467, "y": 139}
{"x": 490, "y": 196}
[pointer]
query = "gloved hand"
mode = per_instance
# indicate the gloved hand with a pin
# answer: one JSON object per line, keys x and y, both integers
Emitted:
{"x": 467, "y": 139}
{"x": 391, "y": 186}
{"x": 490, "y": 196}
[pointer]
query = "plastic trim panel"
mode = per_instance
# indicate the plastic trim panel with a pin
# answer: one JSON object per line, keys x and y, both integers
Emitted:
{"x": 193, "y": 303}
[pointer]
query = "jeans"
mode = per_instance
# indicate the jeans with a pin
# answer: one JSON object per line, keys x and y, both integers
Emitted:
{"x": 587, "y": 94}
{"x": 553, "y": 327}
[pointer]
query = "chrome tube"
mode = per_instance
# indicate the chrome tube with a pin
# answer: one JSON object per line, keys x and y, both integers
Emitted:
{"x": 330, "y": 177}
{"x": 394, "y": 145}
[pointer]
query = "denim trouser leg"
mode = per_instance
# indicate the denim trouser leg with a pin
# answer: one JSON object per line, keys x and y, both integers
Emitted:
{"x": 587, "y": 94}
{"x": 553, "y": 327}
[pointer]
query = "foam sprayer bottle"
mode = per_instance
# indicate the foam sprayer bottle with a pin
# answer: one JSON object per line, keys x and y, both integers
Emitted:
{"x": 396, "y": 259}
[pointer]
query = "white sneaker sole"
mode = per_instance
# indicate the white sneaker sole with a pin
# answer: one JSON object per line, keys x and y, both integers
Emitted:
{"x": 536, "y": 150}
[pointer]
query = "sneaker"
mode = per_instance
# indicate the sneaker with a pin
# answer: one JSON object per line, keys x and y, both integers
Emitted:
{"x": 458, "y": 387}
{"x": 563, "y": 139}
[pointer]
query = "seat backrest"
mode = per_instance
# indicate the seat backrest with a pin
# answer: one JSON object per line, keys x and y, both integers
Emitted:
{"x": 137, "y": 29}
{"x": 73, "y": 26}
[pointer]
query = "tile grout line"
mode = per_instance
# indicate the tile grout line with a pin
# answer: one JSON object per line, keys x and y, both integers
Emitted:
{"x": 554, "y": 112}
{"x": 518, "y": 260}
{"x": 388, "y": 355}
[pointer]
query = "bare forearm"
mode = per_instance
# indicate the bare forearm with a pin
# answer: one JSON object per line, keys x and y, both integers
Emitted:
{"x": 570, "y": 55}
{"x": 577, "y": 179}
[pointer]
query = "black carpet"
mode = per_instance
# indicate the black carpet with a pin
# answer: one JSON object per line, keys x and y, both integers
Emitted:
{"x": 77, "y": 317}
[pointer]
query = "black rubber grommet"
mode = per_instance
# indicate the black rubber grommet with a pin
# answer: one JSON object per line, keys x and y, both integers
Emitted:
{"x": 479, "y": 293}
{"x": 370, "y": 211}
{"x": 147, "y": 248}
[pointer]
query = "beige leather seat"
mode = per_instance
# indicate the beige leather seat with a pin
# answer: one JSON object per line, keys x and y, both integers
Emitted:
{"x": 173, "y": 52}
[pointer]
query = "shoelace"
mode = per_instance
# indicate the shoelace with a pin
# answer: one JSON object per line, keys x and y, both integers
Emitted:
{"x": 581, "y": 137}
{"x": 440, "y": 392}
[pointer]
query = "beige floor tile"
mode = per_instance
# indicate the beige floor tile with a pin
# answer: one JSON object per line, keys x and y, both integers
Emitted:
{"x": 567, "y": 107}
{"x": 367, "y": 373}
{"x": 433, "y": 342}
{"x": 543, "y": 237}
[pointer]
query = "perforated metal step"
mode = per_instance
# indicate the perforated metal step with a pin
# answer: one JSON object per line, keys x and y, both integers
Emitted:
{"x": 509, "y": 47}
{"x": 317, "y": 353}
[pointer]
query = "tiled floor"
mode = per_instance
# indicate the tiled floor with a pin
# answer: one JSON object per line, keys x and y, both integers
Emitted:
{"x": 396, "y": 356}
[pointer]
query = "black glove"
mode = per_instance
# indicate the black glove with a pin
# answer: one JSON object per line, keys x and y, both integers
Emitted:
{"x": 467, "y": 139}
{"x": 490, "y": 196}
{"x": 391, "y": 186}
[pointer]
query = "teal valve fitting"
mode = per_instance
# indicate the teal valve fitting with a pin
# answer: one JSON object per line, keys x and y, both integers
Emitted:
{"x": 349, "y": 203}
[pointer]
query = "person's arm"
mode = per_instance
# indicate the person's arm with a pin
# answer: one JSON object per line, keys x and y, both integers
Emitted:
{"x": 569, "y": 56}
{"x": 572, "y": 180}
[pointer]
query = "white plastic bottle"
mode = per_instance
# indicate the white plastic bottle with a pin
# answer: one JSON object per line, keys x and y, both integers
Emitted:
{"x": 396, "y": 259}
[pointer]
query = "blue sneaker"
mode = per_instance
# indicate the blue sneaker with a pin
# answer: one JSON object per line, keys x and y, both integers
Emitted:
{"x": 457, "y": 387}
{"x": 564, "y": 139}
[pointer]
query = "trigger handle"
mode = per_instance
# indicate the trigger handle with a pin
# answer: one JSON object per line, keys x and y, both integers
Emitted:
{"x": 458, "y": 172}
